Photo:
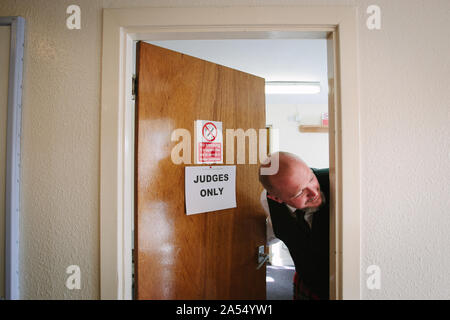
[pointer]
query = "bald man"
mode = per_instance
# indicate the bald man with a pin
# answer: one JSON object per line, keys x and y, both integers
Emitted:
{"x": 298, "y": 204}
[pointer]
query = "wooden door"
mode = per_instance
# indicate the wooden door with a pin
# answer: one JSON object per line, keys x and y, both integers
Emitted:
{"x": 203, "y": 256}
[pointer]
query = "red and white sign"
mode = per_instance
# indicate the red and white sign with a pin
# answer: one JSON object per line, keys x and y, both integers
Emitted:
{"x": 208, "y": 141}
{"x": 209, "y": 131}
{"x": 324, "y": 118}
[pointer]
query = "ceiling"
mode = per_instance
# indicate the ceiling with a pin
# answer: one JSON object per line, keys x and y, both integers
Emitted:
{"x": 272, "y": 59}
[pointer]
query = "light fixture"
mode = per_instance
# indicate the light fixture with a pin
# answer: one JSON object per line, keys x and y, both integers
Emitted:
{"x": 292, "y": 87}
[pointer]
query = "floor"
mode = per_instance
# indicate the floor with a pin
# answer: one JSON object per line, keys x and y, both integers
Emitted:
{"x": 279, "y": 282}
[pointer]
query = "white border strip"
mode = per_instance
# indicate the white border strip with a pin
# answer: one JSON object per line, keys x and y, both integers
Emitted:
{"x": 12, "y": 196}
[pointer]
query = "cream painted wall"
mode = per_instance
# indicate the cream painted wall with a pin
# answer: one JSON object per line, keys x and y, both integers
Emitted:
{"x": 404, "y": 98}
{"x": 405, "y": 161}
{"x": 60, "y": 149}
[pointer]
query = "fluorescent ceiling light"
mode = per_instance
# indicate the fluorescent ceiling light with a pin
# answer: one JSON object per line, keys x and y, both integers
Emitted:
{"x": 292, "y": 87}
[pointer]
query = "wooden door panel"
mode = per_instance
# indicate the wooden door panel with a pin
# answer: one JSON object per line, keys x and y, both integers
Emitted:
{"x": 209, "y": 255}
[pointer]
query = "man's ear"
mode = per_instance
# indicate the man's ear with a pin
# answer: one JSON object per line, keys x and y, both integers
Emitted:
{"x": 274, "y": 198}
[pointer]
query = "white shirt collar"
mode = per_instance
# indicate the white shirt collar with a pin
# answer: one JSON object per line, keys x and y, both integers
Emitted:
{"x": 292, "y": 209}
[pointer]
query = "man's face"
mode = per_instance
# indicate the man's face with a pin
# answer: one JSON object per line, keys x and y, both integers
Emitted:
{"x": 298, "y": 187}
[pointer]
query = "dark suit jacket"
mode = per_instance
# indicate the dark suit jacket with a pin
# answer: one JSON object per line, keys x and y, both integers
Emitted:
{"x": 309, "y": 247}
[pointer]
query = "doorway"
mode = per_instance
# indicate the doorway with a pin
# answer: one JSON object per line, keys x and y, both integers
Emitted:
{"x": 123, "y": 26}
{"x": 285, "y": 60}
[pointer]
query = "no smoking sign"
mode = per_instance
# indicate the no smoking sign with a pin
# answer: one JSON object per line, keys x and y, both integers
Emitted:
{"x": 208, "y": 141}
{"x": 209, "y": 131}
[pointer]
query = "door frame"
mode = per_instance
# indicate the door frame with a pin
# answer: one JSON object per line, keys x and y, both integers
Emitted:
{"x": 121, "y": 27}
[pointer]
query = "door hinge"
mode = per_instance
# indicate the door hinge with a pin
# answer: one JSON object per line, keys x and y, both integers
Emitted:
{"x": 134, "y": 86}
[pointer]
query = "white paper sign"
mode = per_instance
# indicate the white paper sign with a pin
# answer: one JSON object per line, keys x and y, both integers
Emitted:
{"x": 208, "y": 141}
{"x": 210, "y": 188}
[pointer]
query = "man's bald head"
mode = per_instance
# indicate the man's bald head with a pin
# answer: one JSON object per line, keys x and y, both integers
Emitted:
{"x": 288, "y": 162}
{"x": 292, "y": 179}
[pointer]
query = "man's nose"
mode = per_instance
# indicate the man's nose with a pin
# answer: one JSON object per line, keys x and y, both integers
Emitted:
{"x": 313, "y": 192}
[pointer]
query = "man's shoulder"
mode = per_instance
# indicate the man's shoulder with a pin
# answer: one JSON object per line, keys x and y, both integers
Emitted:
{"x": 321, "y": 172}
{"x": 323, "y": 176}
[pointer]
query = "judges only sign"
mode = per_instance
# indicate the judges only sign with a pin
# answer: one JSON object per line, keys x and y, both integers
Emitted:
{"x": 210, "y": 188}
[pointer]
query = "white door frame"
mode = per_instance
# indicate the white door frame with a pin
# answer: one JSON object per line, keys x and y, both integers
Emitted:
{"x": 13, "y": 156}
{"x": 121, "y": 27}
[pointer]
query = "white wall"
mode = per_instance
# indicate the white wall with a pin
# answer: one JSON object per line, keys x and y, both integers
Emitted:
{"x": 405, "y": 113}
{"x": 311, "y": 147}
{"x": 404, "y": 98}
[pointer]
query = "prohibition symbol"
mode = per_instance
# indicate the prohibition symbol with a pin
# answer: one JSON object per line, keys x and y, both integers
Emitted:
{"x": 209, "y": 131}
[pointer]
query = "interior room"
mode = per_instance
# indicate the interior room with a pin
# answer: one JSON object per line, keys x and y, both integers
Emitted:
{"x": 293, "y": 115}
{"x": 70, "y": 195}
